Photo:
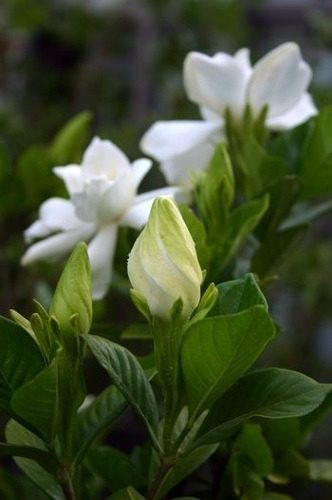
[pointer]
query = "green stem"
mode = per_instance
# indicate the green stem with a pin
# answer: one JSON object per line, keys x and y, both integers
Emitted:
{"x": 66, "y": 483}
{"x": 162, "y": 472}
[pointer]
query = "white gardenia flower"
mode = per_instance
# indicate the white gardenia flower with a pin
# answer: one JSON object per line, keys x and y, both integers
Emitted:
{"x": 279, "y": 81}
{"x": 103, "y": 196}
{"x": 163, "y": 264}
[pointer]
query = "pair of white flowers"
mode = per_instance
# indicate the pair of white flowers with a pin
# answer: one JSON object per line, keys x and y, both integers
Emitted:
{"x": 279, "y": 81}
{"x": 103, "y": 190}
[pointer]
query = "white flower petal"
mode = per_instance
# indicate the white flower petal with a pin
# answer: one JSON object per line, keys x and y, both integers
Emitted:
{"x": 300, "y": 113}
{"x": 116, "y": 199}
{"x": 139, "y": 170}
{"x": 103, "y": 158}
{"x": 101, "y": 252}
{"x": 279, "y": 80}
{"x": 37, "y": 230}
{"x": 243, "y": 57}
{"x": 215, "y": 82}
{"x": 163, "y": 140}
{"x": 56, "y": 246}
{"x": 209, "y": 115}
{"x": 180, "y": 170}
{"x": 59, "y": 214}
{"x": 71, "y": 176}
{"x": 86, "y": 202}
{"x": 55, "y": 214}
{"x": 138, "y": 214}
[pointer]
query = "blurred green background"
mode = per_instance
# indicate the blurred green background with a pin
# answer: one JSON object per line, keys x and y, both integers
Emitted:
{"x": 122, "y": 61}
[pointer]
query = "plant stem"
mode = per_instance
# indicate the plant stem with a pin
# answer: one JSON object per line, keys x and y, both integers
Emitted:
{"x": 65, "y": 481}
{"x": 161, "y": 474}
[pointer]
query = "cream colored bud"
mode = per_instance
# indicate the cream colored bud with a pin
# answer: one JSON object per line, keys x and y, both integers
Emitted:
{"x": 163, "y": 264}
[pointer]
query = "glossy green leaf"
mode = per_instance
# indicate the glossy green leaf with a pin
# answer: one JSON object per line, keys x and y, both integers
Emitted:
{"x": 241, "y": 223}
{"x": 16, "y": 434}
{"x": 36, "y": 163}
{"x": 129, "y": 377}
{"x": 316, "y": 165}
{"x": 271, "y": 495}
{"x": 320, "y": 470}
{"x": 46, "y": 331}
{"x": 198, "y": 234}
{"x": 270, "y": 254}
{"x": 252, "y": 443}
{"x": 137, "y": 331}
{"x": 73, "y": 294}
{"x": 36, "y": 402}
{"x": 185, "y": 465}
{"x": 282, "y": 196}
{"x": 214, "y": 192}
{"x": 310, "y": 421}
{"x": 218, "y": 350}
{"x": 261, "y": 169}
{"x": 304, "y": 213}
{"x": 206, "y": 303}
{"x": 20, "y": 360}
{"x": 267, "y": 393}
{"x": 127, "y": 494}
{"x": 114, "y": 467}
{"x": 282, "y": 433}
{"x": 41, "y": 456}
{"x": 290, "y": 463}
{"x": 95, "y": 419}
{"x": 68, "y": 145}
{"x": 238, "y": 295}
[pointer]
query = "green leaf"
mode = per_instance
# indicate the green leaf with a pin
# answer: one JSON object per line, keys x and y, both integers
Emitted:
{"x": 20, "y": 360}
{"x": 320, "y": 470}
{"x": 271, "y": 495}
{"x": 96, "y": 418}
{"x": 42, "y": 457}
{"x": 260, "y": 168}
{"x": 267, "y": 393}
{"x": 217, "y": 351}
{"x": 238, "y": 295}
{"x": 23, "y": 323}
{"x": 115, "y": 467}
{"x": 137, "y": 331}
{"x": 221, "y": 165}
{"x": 37, "y": 401}
{"x": 290, "y": 463}
{"x": 70, "y": 141}
{"x": 73, "y": 294}
{"x": 310, "y": 421}
{"x": 16, "y": 434}
{"x": 241, "y": 223}
{"x": 184, "y": 466}
{"x": 214, "y": 193}
{"x": 304, "y": 213}
{"x": 129, "y": 377}
{"x": 36, "y": 163}
{"x": 198, "y": 234}
{"x": 252, "y": 443}
{"x": 274, "y": 249}
{"x": 282, "y": 433}
{"x": 282, "y": 196}
{"x": 127, "y": 494}
{"x": 46, "y": 332}
{"x": 49, "y": 401}
{"x": 206, "y": 303}
{"x": 316, "y": 165}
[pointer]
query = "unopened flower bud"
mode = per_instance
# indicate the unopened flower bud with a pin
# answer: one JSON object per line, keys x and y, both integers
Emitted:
{"x": 163, "y": 265}
{"x": 71, "y": 305}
